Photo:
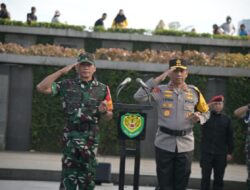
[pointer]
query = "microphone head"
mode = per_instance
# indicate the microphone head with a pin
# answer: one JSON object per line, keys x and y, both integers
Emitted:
{"x": 128, "y": 79}
{"x": 138, "y": 80}
{"x": 125, "y": 81}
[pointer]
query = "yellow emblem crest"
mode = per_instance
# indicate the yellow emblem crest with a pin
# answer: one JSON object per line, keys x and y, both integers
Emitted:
{"x": 178, "y": 62}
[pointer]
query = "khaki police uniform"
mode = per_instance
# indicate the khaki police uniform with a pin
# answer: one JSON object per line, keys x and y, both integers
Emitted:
{"x": 174, "y": 141}
{"x": 174, "y": 107}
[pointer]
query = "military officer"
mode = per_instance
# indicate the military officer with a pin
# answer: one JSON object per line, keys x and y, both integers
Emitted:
{"x": 84, "y": 101}
{"x": 179, "y": 107}
{"x": 216, "y": 145}
{"x": 244, "y": 112}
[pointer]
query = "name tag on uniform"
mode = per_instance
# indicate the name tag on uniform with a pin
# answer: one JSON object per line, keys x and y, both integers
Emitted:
{"x": 167, "y": 105}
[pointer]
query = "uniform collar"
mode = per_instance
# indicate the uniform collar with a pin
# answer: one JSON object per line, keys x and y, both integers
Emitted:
{"x": 184, "y": 87}
{"x": 92, "y": 82}
{"x": 216, "y": 113}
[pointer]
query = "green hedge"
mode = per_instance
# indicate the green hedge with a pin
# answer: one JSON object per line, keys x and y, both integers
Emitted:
{"x": 127, "y": 30}
{"x": 41, "y": 24}
{"x": 47, "y": 116}
{"x": 198, "y": 35}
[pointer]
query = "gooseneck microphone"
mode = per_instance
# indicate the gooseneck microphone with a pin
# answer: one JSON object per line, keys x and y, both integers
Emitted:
{"x": 125, "y": 81}
{"x": 143, "y": 84}
{"x": 121, "y": 86}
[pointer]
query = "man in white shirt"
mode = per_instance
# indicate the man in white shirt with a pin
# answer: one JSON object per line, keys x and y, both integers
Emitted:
{"x": 228, "y": 27}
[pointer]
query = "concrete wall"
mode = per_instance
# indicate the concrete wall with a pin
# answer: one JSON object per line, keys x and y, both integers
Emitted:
{"x": 19, "y": 108}
{"x": 22, "y": 39}
{"x": 215, "y": 86}
{"x": 117, "y": 44}
{"x": 4, "y": 91}
{"x": 69, "y": 42}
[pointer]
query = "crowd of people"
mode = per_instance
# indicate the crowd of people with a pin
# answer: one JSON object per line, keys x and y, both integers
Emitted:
{"x": 121, "y": 22}
{"x": 228, "y": 28}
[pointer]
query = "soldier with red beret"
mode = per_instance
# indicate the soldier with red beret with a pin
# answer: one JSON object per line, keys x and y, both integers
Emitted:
{"x": 216, "y": 144}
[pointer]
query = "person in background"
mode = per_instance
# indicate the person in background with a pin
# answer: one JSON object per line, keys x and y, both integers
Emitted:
{"x": 243, "y": 31}
{"x": 243, "y": 112}
{"x": 179, "y": 106}
{"x": 193, "y": 30}
{"x": 4, "y": 13}
{"x": 85, "y": 100}
{"x": 228, "y": 27}
{"x": 31, "y": 17}
{"x": 56, "y": 16}
{"x": 216, "y": 145}
{"x": 217, "y": 30}
{"x": 120, "y": 20}
{"x": 100, "y": 22}
{"x": 161, "y": 25}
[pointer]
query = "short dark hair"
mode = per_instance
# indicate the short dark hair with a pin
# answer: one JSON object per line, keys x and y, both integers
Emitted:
{"x": 229, "y": 18}
{"x": 3, "y": 5}
{"x": 242, "y": 25}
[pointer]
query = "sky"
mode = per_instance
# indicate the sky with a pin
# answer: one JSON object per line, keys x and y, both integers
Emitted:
{"x": 198, "y": 14}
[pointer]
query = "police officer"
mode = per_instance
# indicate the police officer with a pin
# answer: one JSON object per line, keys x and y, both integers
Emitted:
{"x": 216, "y": 145}
{"x": 179, "y": 107}
{"x": 84, "y": 101}
{"x": 244, "y": 112}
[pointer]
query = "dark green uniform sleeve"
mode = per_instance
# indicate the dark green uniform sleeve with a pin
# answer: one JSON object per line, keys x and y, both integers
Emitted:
{"x": 57, "y": 88}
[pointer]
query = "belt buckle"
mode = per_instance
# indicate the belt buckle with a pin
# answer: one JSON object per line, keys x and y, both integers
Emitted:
{"x": 183, "y": 133}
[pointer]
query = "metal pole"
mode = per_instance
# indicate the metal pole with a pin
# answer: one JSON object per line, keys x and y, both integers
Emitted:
{"x": 137, "y": 165}
{"x": 122, "y": 164}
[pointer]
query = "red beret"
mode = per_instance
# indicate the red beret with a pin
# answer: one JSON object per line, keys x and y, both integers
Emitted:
{"x": 218, "y": 98}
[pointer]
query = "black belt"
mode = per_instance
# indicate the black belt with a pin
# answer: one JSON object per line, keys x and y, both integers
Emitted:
{"x": 79, "y": 127}
{"x": 175, "y": 132}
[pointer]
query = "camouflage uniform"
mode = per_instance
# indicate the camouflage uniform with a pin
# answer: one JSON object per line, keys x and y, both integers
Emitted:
{"x": 80, "y": 102}
{"x": 247, "y": 147}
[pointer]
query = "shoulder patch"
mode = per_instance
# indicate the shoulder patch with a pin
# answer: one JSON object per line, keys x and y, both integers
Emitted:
{"x": 202, "y": 104}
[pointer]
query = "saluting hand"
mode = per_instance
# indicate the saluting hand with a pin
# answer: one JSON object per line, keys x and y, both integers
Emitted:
{"x": 67, "y": 68}
{"x": 164, "y": 75}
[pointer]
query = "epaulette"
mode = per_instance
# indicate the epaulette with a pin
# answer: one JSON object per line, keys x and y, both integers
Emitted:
{"x": 201, "y": 106}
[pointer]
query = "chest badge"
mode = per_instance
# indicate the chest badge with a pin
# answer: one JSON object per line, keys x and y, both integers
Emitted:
{"x": 167, "y": 113}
